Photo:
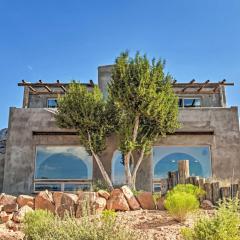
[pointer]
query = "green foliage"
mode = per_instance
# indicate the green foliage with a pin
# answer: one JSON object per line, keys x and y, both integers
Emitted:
{"x": 180, "y": 204}
{"x": 87, "y": 112}
{"x": 156, "y": 197}
{"x": 105, "y": 227}
{"x": 37, "y": 223}
{"x": 223, "y": 226}
{"x": 188, "y": 188}
{"x": 141, "y": 92}
{"x": 100, "y": 184}
{"x": 136, "y": 192}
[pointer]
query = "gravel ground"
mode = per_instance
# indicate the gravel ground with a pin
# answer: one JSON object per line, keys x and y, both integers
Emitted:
{"x": 154, "y": 225}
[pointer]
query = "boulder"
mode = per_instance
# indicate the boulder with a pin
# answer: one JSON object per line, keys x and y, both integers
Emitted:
{"x": 7, "y": 199}
{"x": 5, "y": 217}
{"x": 89, "y": 196}
{"x": 100, "y": 204}
{"x": 160, "y": 203}
{"x": 23, "y": 200}
{"x": 68, "y": 204}
{"x": 104, "y": 194}
{"x": 132, "y": 202}
{"x": 57, "y": 198}
{"x": 117, "y": 201}
{"x": 44, "y": 200}
{"x": 207, "y": 205}
{"x": 19, "y": 215}
{"x": 146, "y": 200}
{"x": 10, "y": 208}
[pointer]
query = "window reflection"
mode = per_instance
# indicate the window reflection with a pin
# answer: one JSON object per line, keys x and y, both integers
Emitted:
{"x": 166, "y": 159}
{"x": 62, "y": 163}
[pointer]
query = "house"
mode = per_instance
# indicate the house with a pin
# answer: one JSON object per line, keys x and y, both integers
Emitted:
{"x": 39, "y": 155}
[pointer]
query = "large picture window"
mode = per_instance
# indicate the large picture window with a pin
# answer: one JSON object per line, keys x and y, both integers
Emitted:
{"x": 62, "y": 168}
{"x": 165, "y": 159}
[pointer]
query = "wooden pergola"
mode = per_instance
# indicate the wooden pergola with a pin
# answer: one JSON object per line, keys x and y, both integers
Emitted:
{"x": 194, "y": 87}
{"x": 49, "y": 88}
{"x": 191, "y": 87}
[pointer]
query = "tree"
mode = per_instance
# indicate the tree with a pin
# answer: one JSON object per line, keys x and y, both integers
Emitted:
{"x": 146, "y": 104}
{"x": 88, "y": 113}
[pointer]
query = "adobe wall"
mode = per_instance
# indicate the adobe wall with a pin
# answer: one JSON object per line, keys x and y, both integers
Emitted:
{"x": 20, "y": 155}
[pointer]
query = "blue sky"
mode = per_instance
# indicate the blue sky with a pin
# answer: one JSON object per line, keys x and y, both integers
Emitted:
{"x": 68, "y": 39}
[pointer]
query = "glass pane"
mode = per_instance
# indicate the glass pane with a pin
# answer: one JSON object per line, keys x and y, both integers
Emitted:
{"x": 166, "y": 159}
{"x": 192, "y": 102}
{"x": 63, "y": 163}
{"x": 71, "y": 187}
{"x": 118, "y": 175}
{"x": 50, "y": 187}
{"x": 157, "y": 187}
{"x": 52, "y": 103}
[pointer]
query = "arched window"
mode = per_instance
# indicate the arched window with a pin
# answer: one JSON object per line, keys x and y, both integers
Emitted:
{"x": 61, "y": 163}
{"x": 165, "y": 159}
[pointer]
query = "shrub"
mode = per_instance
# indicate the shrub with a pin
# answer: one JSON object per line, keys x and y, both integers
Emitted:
{"x": 189, "y": 188}
{"x": 37, "y": 224}
{"x": 223, "y": 226}
{"x": 43, "y": 225}
{"x": 180, "y": 204}
{"x": 100, "y": 185}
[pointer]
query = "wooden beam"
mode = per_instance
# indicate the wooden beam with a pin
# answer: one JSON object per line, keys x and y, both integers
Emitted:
{"x": 203, "y": 85}
{"x": 32, "y": 89}
{"x": 63, "y": 88}
{"x": 194, "y": 92}
{"x": 49, "y": 90}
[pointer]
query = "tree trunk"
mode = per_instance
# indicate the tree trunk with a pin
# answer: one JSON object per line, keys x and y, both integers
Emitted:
{"x": 134, "y": 174}
{"x": 128, "y": 174}
{"x": 103, "y": 171}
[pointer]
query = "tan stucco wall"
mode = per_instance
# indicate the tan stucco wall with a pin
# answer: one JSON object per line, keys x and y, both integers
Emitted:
{"x": 20, "y": 155}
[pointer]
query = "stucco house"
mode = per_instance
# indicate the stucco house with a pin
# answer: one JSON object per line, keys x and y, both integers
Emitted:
{"x": 39, "y": 155}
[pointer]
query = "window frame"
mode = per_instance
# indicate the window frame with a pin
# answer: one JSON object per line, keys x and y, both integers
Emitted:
{"x": 62, "y": 182}
{"x": 52, "y": 98}
{"x": 189, "y": 97}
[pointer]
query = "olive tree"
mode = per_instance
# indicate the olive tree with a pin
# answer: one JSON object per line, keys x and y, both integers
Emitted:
{"x": 86, "y": 111}
{"x": 146, "y": 106}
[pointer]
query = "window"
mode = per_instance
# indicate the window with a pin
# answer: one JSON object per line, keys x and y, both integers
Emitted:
{"x": 189, "y": 102}
{"x": 52, "y": 103}
{"x": 62, "y": 168}
{"x": 165, "y": 159}
{"x": 118, "y": 174}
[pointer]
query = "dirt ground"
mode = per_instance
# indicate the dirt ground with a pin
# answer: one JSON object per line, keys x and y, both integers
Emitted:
{"x": 154, "y": 225}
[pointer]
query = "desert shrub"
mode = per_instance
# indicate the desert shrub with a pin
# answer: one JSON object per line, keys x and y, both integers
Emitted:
{"x": 100, "y": 185}
{"x": 224, "y": 225}
{"x": 180, "y": 204}
{"x": 136, "y": 192}
{"x": 42, "y": 225}
{"x": 188, "y": 188}
{"x": 37, "y": 224}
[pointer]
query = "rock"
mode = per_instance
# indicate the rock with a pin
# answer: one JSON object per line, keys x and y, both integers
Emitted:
{"x": 19, "y": 215}
{"x": 23, "y": 200}
{"x": 1, "y": 208}
{"x": 100, "y": 204}
{"x": 146, "y": 200}
{"x": 104, "y": 194}
{"x": 207, "y": 205}
{"x": 132, "y": 202}
{"x": 117, "y": 201}
{"x": 7, "y": 199}
{"x": 160, "y": 203}
{"x": 5, "y": 217}
{"x": 11, "y": 225}
{"x": 44, "y": 200}
{"x": 57, "y": 198}
{"x": 89, "y": 196}
{"x": 10, "y": 208}
{"x": 68, "y": 204}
